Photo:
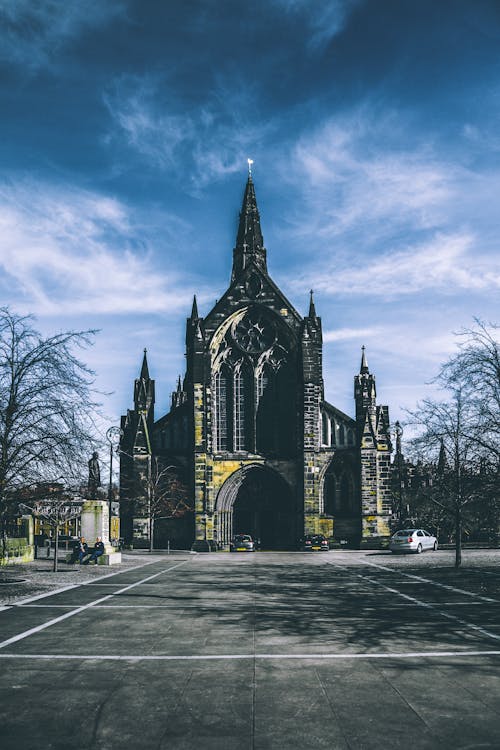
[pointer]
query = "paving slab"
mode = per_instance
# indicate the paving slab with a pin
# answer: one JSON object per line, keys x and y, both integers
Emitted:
{"x": 269, "y": 651}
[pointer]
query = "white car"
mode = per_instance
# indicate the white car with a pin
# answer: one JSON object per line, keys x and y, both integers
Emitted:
{"x": 412, "y": 540}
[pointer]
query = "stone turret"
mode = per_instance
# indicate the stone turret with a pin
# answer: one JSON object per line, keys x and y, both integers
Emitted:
{"x": 374, "y": 443}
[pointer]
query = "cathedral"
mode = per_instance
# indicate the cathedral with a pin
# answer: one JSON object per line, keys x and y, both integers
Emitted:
{"x": 249, "y": 439}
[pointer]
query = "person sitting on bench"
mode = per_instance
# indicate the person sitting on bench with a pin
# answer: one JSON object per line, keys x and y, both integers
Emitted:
{"x": 80, "y": 550}
{"x": 98, "y": 551}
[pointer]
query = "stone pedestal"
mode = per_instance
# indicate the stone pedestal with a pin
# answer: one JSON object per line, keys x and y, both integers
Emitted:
{"x": 94, "y": 522}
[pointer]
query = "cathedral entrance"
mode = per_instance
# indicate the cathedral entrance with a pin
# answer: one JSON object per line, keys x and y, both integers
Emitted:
{"x": 256, "y": 500}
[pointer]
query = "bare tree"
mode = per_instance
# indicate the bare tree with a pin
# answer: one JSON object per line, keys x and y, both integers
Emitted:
{"x": 46, "y": 409}
{"x": 56, "y": 506}
{"x": 476, "y": 370}
{"x": 167, "y": 495}
{"x": 464, "y": 428}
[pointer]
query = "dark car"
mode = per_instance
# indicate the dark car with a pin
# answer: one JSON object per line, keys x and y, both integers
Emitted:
{"x": 242, "y": 543}
{"x": 314, "y": 543}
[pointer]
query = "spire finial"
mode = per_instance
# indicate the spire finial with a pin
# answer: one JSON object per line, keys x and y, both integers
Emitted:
{"x": 250, "y": 162}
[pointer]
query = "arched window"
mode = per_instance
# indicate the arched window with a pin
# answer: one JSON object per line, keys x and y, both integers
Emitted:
{"x": 243, "y": 398}
{"x": 265, "y": 418}
{"x": 325, "y": 429}
{"x": 223, "y": 410}
{"x": 341, "y": 435}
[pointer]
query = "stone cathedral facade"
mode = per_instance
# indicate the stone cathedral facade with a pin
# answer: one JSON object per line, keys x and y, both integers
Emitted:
{"x": 249, "y": 434}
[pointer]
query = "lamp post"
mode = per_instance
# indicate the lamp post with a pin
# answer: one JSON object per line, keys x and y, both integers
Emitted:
{"x": 398, "y": 431}
{"x": 113, "y": 435}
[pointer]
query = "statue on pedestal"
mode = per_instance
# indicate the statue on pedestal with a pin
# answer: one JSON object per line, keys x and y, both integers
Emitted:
{"x": 94, "y": 475}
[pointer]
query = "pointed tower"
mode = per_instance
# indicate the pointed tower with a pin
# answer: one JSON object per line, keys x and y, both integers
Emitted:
{"x": 374, "y": 458}
{"x": 136, "y": 449}
{"x": 144, "y": 391}
{"x": 365, "y": 393}
{"x": 312, "y": 395}
{"x": 249, "y": 240}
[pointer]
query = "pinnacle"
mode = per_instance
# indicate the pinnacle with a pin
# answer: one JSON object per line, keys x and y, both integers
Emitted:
{"x": 144, "y": 369}
{"x": 364, "y": 364}
{"x": 312, "y": 309}
{"x": 194, "y": 309}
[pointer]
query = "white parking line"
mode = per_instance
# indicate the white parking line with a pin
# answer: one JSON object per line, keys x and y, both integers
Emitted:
{"x": 427, "y": 605}
{"x": 434, "y": 583}
{"x": 253, "y": 657}
{"x": 76, "y": 585}
{"x": 76, "y": 611}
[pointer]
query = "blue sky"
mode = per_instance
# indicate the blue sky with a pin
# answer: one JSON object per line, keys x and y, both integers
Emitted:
{"x": 374, "y": 128}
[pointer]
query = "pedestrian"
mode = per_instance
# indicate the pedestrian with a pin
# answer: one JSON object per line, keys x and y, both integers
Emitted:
{"x": 98, "y": 551}
{"x": 80, "y": 551}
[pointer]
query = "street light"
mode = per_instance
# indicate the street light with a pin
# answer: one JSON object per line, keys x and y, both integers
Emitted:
{"x": 113, "y": 435}
{"x": 398, "y": 431}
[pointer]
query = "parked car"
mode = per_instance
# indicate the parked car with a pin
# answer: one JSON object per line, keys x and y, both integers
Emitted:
{"x": 412, "y": 540}
{"x": 314, "y": 543}
{"x": 242, "y": 543}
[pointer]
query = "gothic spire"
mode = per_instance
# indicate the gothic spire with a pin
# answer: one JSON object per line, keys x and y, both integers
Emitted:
{"x": 194, "y": 309}
{"x": 249, "y": 239}
{"x": 144, "y": 369}
{"x": 312, "y": 309}
{"x": 363, "y": 370}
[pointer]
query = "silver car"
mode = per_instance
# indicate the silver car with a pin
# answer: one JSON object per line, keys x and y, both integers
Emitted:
{"x": 412, "y": 540}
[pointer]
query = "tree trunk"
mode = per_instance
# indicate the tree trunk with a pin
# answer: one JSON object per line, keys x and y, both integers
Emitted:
{"x": 151, "y": 533}
{"x": 458, "y": 537}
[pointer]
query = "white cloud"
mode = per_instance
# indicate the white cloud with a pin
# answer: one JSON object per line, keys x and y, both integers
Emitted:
{"x": 324, "y": 19}
{"x": 66, "y": 251}
{"x": 384, "y": 219}
{"x": 201, "y": 143}
{"x": 350, "y": 179}
{"x": 33, "y": 32}
{"x": 447, "y": 262}
{"x": 349, "y": 334}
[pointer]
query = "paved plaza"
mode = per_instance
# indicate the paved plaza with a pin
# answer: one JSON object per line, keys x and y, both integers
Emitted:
{"x": 267, "y": 650}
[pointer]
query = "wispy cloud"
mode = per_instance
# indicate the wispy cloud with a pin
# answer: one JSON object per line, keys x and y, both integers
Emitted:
{"x": 198, "y": 143}
{"x": 31, "y": 33}
{"x": 324, "y": 19}
{"x": 446, "y": 263}
{"x": 66, "y": 251}
{"x": 384, "y": 219}
{"x": 350, "y": 179}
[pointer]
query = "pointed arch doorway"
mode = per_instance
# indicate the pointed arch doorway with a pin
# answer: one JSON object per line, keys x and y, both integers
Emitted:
{"x": 256, "y": 500}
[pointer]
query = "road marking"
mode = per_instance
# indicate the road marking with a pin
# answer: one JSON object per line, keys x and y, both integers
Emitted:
{"x": 434, "y": 583}
{"x": 427, "y": 605}
{"x": 76, "y": 611}
{"x": 441, "y": 604}
{"x": 241, "y": 657}
{"x": 76, "y": 585}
